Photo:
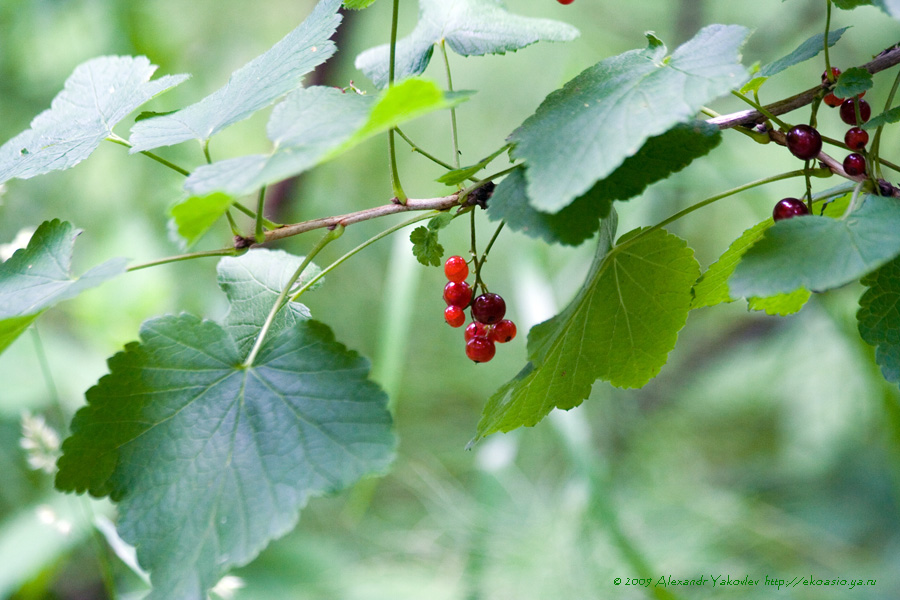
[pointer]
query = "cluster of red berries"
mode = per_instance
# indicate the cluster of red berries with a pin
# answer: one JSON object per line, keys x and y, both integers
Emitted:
{"x": 488, "y": 327}
{"x": 805, "y": 142}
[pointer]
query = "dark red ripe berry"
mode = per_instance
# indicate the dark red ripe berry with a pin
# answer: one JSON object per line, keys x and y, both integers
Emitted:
{"x": 832, "y": 100}
{"x": 835, "y": 73}
{"x": 455, "y": 316}
{"x": 804, "y": 141}
{"x": 480, "y": 349}
{"x": 502, "y": 332}
{"x": 855, "y": 164}
{"x": 456, "y": 268}
{"x": 788, "y": 208}
{"x": 457, "y": 293}
{"x": 848, "y": 112}
{"x": 488, "y": 308}
{"x": 565, "y": 1}
{"x": 856, "y": 138}
{"x": 474, "y": 330}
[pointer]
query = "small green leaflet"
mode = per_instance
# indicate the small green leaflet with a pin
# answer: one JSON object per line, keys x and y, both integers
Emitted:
{"x": 805, "y": 51}
{"x": 885, "y": 118}
{"x": 193, "y": 216}
{"x": 210, "y": 460}
{"x": 426, "y": 247}
{"x": 314, "y": 125}
{"x": 819, "y": 253}
{"x": 852, "y": 82}
{"x": 457, "y": 176}
{"x": 98, "y": 94}
{"x": 469, "y": 28}
{"x": 37, "y": 277}
{"x": 619, "y": 328}
{"x": 584, "y": 131}
{"x": 878, "y": 317}
{"x": 254, "y": 86}
{"x": 660, "y": 156}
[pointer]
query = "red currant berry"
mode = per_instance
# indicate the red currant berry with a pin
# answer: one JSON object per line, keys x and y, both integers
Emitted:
{"x": 457, "y": 293}
{"x": 832, "y": 100}
{"x": 788, "y": 208}
{"x": 480, "y": 349}
{"x": 835, "y": 73}
{"x": 474, "y": 330}
{"x": 488, "y": 308}
{"x": 455, "y": 316}
{"x": 565, "y": 1}
{"x": 456, "y": 268}
{"x": 856, "y": 138}
{"x": 804, "y": 142}
{"x": 502, "y": 332}
{"x": 855, "y": 164}
{"x": 848, "y": 112}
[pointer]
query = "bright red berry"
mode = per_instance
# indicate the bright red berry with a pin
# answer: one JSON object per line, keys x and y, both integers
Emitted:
{"x": 474, "y": 330}
{"x": 855, "y": 164}
{"x": 565, "y": 1}
{"x": 856, "y": 138}
{"x": 502, "y": 331}
{"x": 804, "y": 141}
{"x": 457, "y": 293}
{"x": 831, "y": 100}
{"x": 455, "y": 316}
{"x": 848, "y": 112}
{"x": 488, "y": 308}
{"x": 480, "y": 349}
{"x": 788, "y": 208}
{"x": 456, "y": 268}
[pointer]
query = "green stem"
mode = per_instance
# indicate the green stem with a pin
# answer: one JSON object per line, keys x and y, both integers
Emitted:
{"x": 117, "y": 140}
{"x": 189, "y": 256}
{"x": 453, "y": 132}
{"x": 103, "y": 561}
{"x": 235, "y": 230}
{"x": 206, "y": 152}
{"x": 46, "y": 372}
{"x": 710, "y": 200}
{"x": 252, "y": 215}
{"x": 828, "y": 72}
{"x": 396, "y": 186}
{"x": 490, "y": 245}
{"x": 876, "y": 139}
{"x": 362, "y": 246}
{"x": 432, "y": 158}
{"x": 330, "y": 236}
{"x": 761, "y": 109}
{"x": 260, "y": 234}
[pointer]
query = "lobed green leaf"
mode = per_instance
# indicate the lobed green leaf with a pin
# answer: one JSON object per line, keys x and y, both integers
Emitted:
{"x": 819, "y": 253}
{"x": 37, "y": 277}
{"x": 852, "y": 82}
{"x": 468, "y": 27}
{"x": 620, "y": 328}
{"x": 192, "y": 217}
{"x": 878, "y": 317}
{"x": 254, "y": 86}
{"x": 97, "y": 95}
{"x": 426, "y": 247}
{"x": 585, "y": 131}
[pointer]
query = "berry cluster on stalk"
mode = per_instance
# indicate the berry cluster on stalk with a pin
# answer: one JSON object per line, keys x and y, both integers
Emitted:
{"x": 488, "y": 327}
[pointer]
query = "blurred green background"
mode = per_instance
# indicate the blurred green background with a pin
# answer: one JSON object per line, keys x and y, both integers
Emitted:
{"x": 766, "y": 447}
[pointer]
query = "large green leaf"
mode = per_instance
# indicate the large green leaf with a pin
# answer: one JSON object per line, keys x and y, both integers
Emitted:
{"x": 469, "y": 28}
{"x": 192, "y": 217}
{"x": 879, "y": 317}
{"x": 619, "y": 328}
{"x": 584, "y": 131}
{"x": 660, "y": 156}
{"x": 819, "y": 253}
{"x": 209, "y": 459}
{"x": 37, "y": 277}
{"x": 805, "y": 51}
{"x": 99, "y": 93}
{"x": 254, "y": 86}
{"x": 314, "y": 125}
